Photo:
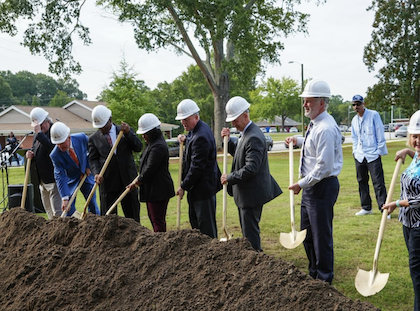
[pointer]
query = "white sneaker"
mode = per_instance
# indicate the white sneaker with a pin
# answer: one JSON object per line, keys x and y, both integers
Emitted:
{"x": 389, "y": 216}
{"x": 363, "y": 212}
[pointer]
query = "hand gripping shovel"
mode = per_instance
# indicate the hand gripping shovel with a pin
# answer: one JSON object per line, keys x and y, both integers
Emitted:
{"x": 225, "y": 151}
{"x": 120, "y": 198}
{"x": 102, "y": 172}
{"x": 76, "y": 214}
{"x": 178, "y": 206}
{"x": 25, "y": 185}
{"x": 294, "y": 238}
{"x": 369, "y": 283}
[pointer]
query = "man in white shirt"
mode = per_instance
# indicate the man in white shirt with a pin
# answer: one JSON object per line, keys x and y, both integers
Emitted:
{"x": 321, "y": 162}
{"x": 369, "y": 145}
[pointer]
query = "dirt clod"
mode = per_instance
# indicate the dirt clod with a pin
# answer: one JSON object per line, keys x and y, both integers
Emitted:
{"x": 112, "y": 263}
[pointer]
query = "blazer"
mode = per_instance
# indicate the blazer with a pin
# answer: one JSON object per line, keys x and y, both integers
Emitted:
{"x": 154, "y": 173}
{"x": 121, "y": 170}
{"x": 42, "y": 147}
{"x": 250, "y": 181}
{"x": 67, "y": 173}
{"x": 200, "y": 172}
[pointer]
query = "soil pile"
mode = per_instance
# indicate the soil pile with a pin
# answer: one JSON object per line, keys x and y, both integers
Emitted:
{"x": 112, "y": 263}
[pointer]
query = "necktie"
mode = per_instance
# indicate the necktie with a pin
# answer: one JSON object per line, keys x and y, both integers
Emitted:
{"x": 303, "y": 147}
{"x": 73, "y": 156}
{"x": 108, "y": 137}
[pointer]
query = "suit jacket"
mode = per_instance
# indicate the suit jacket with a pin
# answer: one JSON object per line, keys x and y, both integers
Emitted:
{"x": 200, "y": 172}
{"x": 121, "y": 170}
{"x": 67, "y": 173}
{"x": 154, "y": 173}
{"x": 42, "y": 147}
{"x": 250, "y": 181}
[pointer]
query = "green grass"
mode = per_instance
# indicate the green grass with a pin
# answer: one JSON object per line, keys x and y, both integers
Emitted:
{"x": 354, "y": 237}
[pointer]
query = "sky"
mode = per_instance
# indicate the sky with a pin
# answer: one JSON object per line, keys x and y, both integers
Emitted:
{"x": 332, "y": 51}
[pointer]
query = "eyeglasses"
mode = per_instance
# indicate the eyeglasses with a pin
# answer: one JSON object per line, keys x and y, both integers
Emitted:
{"x": 357, "y": 104}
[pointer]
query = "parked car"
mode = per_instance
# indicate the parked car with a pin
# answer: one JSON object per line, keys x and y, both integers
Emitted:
{"x": 234, "y": 130}
{"x": 263, "y": 129}
{"x": 173, "y": 147}
{"x": 386, "y": 127}
{"x": 268, "y": 140}
{"x": 401, "y": 131}
{"x": 293, "y": 130}
{"x": 273, "y": 130}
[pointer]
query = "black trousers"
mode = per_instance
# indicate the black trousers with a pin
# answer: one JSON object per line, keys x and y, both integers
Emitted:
{"x": 316, "y": 217}
{"x": 203, "y": 216}
{"x": 377, "y": 174}
{"x": 250, "y": 218}
{"x": 130, "y": 204}
{"x": 412, "y": 241}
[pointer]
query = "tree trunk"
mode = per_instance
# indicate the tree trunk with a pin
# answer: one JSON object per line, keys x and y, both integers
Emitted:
{"x": 221, "y": 97}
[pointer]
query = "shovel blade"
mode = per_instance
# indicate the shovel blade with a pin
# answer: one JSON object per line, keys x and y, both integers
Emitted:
{"x": 292, "y": 239}
{"x": 77, "y": 215}
{"x": 369, "y": 283}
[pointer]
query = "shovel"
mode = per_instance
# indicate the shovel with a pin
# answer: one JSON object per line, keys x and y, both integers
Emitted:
{"x": 369, "y": 283}
{"x": 120, "y": 198}
{"x": 76, "y": 214}
{"x": 178, "y": 206}
{"x": 102, "y": 172}
{"x": 25, "y": 185}
{"x": 294, "y": 238}
{"x": 225, "y": 151}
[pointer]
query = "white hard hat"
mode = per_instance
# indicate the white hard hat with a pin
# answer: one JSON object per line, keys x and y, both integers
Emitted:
{"x": 316, "y": 88}
{"x": 38, "y": 115}
{"x": 186, "y": 108}
{"x": 414, "y": 125}
{"x": 100, "y": 116}
{"x": 147, "y": 122}
{"x": 235, "y": 107}
{"x": 59, "y": 132}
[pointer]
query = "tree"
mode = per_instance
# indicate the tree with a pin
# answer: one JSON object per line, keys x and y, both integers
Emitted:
{"x": 60, "y": 99}
{"x": 395, "y": 42}
{"x": 275, "y": 98}
{"x": 6, "y": 94}
{"x": 236, "y": 37}
{"x": 128, "y": 98}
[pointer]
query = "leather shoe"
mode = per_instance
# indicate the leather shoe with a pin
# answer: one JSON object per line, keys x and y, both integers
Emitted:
{"x": 363, "y": 212}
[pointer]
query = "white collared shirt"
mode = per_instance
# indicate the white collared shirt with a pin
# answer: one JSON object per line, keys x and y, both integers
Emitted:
{"x": 323, "y": 154}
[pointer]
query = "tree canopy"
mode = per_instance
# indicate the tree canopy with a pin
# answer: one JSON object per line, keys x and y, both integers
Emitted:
{"x": 395, "y": 46}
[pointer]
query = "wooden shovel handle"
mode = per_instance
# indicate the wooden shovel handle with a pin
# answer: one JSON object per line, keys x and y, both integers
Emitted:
{"x": 73, "y": 197}
{"x": 178, "y": 206}
{"x": 120, "y": 198}
{"x": 25, "y": 185}
{"x": 102, "y": 172}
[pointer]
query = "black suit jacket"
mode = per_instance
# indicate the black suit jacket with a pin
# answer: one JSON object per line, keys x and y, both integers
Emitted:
{"x": 42, "y": 147}
{"x": 200, "y": 172}
{"x": 154, "y": 173}
{"x": 121, "y": 170}
{"x": 250, "y": 181}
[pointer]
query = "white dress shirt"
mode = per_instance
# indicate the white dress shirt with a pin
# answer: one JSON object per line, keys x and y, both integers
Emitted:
{"x": 322, "y": 155}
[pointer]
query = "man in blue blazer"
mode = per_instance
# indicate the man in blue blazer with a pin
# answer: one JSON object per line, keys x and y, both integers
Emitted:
{"x": 70, "y": 160}
{"x": 200, "y": 172}
{"x": 250, "y": 181}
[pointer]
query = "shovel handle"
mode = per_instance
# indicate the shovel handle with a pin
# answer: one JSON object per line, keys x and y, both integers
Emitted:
{"x": 291, "y": 192}
{"x": 73, "y": 197}
{"x": 102, "y": 172}
{"x": 25, "y": 185}
{"x": 178, "y": 205}
{"x": 385, "y": 214}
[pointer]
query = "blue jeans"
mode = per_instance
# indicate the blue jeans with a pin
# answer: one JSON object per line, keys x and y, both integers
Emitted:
{"x": 92, "y": 207}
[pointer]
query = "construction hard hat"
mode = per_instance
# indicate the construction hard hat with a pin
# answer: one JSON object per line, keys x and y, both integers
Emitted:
{"x": 316, "y": 88}
{"x": 100, "y": 116}
{"x": 59, "y": 133}
{"x": 235, "y": 107}
{"x": 147, "y": 122}
{"x": 38, "y": 115}
{"x": 186, "y": 108}
{"x": 414, "y": 125}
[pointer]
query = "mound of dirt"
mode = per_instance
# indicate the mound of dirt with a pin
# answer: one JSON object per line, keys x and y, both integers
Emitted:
{"x": 113, "y": 263}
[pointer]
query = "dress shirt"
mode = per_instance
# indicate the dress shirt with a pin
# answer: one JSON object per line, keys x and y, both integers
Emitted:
{"x": 113, "y": 134}
{"x": 323, "y": 154}
{"x": 368, "y": 136}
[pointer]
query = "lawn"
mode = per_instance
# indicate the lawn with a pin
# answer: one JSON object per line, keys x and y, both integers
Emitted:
{"x": 354, "y": 237}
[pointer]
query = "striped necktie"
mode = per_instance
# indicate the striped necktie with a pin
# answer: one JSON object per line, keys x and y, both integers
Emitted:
{"x": 108, "y": 138}
{"x": 73, "y": 156}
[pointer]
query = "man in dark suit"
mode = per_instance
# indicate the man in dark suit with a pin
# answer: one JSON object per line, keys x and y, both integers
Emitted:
{"x": 70, "y": 160}
{"x": 200, "y": 172}
{"x": 250, "y": 181}
{"x": 41, "y": 148}
{"x": 121, "y": 170}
